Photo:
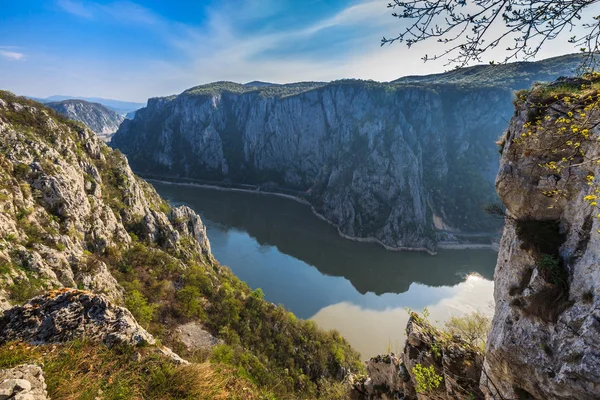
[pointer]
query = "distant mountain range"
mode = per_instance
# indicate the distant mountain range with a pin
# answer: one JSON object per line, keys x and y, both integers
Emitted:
{"x": 102, "y": 120}
{"x": 121, "y": 107}
{"x": 517, "y": 75}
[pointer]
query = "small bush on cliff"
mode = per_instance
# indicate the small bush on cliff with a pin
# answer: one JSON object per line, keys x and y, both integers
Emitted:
{"x": 473, "y": 327}
{"x": 427, "y": 379}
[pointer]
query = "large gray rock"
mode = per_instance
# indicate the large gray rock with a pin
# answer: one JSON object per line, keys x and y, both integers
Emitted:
{"x": 63, "y": 315}
{"x": 457, "y": 364}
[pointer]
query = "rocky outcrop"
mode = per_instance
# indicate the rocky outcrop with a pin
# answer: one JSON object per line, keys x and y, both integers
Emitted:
{"x": 67, "y": 314}
{"x": 63, "y": 315}
{"x": 23, "y": 382}
{"x": 100, "y": 119}
{"x": 452, "y": 368}
{"x": 66, "y": 199}
{"x": 544, "y": 339}
{"x": 194, "y": 337}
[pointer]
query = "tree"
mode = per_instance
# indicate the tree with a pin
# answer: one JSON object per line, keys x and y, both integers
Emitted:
{"x": 473, "y": 327}
{"x": 470, "y": 28}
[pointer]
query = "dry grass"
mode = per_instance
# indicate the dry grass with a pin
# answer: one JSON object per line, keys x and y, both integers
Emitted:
{"x": 83, "y": 370}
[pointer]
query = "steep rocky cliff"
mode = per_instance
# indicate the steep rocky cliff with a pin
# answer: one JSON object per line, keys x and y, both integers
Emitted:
{"x": 376, "y": 160}
{"x": 545, "y": 336}
{"x": 103, "y": 121}
{"x": 73, "y": 215}
{"x": 387, "y": 162}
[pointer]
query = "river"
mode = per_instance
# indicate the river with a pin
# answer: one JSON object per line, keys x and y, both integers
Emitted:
{"x": 360, "y": 289}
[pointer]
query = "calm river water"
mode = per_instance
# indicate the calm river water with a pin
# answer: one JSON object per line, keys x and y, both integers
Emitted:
{"x": 360, "y": 289}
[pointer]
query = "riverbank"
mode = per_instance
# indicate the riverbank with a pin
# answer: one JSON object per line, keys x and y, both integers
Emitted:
{"x": 257, "y": 190}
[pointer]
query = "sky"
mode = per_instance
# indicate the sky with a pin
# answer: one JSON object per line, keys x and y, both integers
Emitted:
{"x": 135, "y": 50}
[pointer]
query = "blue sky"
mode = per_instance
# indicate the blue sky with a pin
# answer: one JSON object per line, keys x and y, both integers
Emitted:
{"x": 135, "y": 50}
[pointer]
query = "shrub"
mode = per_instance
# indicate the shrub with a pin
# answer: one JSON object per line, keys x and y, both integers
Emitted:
{"x": 427, "y": 379}
{"x": 139, "y": 307}
{"x": 472, "y": 327}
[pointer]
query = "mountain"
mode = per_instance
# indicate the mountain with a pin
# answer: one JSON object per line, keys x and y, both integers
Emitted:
{"x": 119, "y": 106}
{"x": 84, "y": 237}
{"x": 260, "y": 84}
{"x": 516, "y": 76}
{"x": 396, "y": 163}
{"x": 101, "y": 120}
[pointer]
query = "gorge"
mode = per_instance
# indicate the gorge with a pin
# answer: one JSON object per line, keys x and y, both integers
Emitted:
{"x": 400, "y": 163}
{"x": 95, "y": 265}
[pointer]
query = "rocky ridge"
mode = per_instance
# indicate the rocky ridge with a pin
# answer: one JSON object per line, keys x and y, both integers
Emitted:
{"x": 57, "y": 206}
{"x": 405, "y": 164}
{"x": 73, "y": 215}
{"x": 100, "y": 119}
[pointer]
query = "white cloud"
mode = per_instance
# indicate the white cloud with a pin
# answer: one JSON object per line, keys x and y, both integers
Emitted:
{"x": 121, "y": 11}
{"x": 12, "y": 55}
{"x": 76, "y": 8}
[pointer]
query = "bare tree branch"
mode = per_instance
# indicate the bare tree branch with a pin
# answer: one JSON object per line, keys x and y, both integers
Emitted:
{"x": 467, "y": 27}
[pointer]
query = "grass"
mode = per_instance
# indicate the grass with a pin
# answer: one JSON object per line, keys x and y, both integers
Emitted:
{"x": 82, "y": 370}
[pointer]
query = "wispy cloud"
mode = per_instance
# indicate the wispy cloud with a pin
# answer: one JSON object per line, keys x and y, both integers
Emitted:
{"x": 76, "y": 8}
{"x": 12, "y": 55}
{"x": 120, "y": 11}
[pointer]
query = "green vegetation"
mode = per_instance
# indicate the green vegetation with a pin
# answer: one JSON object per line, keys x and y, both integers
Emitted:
{"x": 286, "y": 90}
{"x": 473, "y": 327}
{"x": 427, "y": 379}
{"x": 518, "y": 75}
{"x": 264, "y": 342}
{"x": 24, "y": 289}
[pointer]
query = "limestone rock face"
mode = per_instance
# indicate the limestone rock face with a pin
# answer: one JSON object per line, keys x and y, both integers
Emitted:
{"x": 65, "y": 198}
{"x": 63, "y": 315}
{"x": 24, "y": 382}
{"x": 544, "y": 339}
{"x": 100, "y": 119}
{"x": 373, "y": 159}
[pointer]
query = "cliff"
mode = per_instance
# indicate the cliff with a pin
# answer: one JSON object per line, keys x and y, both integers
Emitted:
{"x": 100, "y": 119}
{"x": 73, "y": 215}
{"x": 393, "y": 163}
{"x": 544, "y": 339}
{"x": 378, "y": 161}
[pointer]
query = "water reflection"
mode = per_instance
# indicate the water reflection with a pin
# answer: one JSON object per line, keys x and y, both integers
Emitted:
{"x": 358, "y": 288}
{"x": 383, "y": 330}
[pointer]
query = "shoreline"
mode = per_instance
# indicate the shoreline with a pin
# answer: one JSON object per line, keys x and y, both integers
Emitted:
{"x": 447, "y": 246}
